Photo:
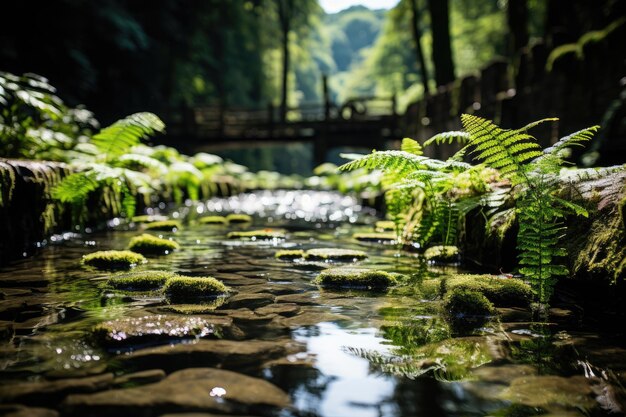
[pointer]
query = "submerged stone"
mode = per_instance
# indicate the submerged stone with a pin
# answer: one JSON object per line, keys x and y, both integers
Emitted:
{"x": 289, "y": 254}
{"x": 140, "y": 280}
{"x": 443, "y": 254}
{"x": 502, "y": 292}
{"x": 164, "y": 226}
{"x": 226, "y": 354}
{"x": 251, "y": 301}
{"x": 334, "y": 254}
{"x": 385, "y": 226}
{"x": 282, "y": 309}
{"x": 204, "y": 308}
{"x": 113, "y": 259}
{"x": 549, "y": 390}
{"x": 195, "y": 390}
{"x": 151, "y": 329}
{"x": 217, "y": 220}
{"x": 355, "y": 278}
{"x": 180, "y": 288}
{"x": 238, "y": 218}
{"x": 147, "y": 244}
{"x": 265, "y": 234}
{"x": 385, "y": 238}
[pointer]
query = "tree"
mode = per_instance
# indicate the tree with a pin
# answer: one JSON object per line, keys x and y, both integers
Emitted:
{"x": 442, "y": 49}
{"x": 417, "y": 37}
{"x": 517, "y": 19}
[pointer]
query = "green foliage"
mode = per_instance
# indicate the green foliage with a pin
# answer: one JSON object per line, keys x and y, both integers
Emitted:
{"x": 540, "y": 212}
{"x": 116, "y": 140}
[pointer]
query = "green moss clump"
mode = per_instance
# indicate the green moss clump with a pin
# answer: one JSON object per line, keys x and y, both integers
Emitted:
{"x": 148, "y": 218}
{"x": 140, "y": 280}
{"x": 463, "y": 303}
{"x": 151, "y": 245}
{"x": 445, "y": 254}
{"x": 385, "y": 226}
{"x": 265, "y": 234}
{"x": 355, "y": 278}
{"x": 387, "y": 238}
{"x": 181, "y": 288}
{"x": 503, "y": 292}
{"x": 289, "y": 254}
{"x": 164, "y": 226}
{"x": 238, "y": 218}
{"x": 113, "y": 259}
{"x": 334, "y": 254}
{"x": 217, "y": 220}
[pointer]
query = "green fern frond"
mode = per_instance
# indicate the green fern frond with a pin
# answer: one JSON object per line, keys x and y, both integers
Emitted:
{"x": 400, "y": 162}
{"x": 505, "y": 150}
{"x": 575, "y": 139}
{"x": 75, "y": 187}
{"x": 448, "y": 137}
{"x": 116, "y": 140}
{"x": 133, "y": 159}
{"x": 411, "y": 146}
{"x": 537, "y": 123}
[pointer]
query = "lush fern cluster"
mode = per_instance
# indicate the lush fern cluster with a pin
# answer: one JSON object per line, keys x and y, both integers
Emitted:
{"x": 536, "y": 178}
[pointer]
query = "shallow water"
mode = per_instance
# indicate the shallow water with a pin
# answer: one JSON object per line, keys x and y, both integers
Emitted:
{"x": 335, "y": 353}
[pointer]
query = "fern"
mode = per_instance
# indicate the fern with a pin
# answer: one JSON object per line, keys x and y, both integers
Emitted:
{"x": 448, "y": 137}
{"x": 411, "y": 146}
{"x": 508, "y": 151}
{"x": 117, "y": 139}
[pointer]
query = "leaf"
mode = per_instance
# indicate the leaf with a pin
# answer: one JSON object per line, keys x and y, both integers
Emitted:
{"x": 117, "y": 139}
{"x": 448, "y": 137}
{"x": 411, "y": 146}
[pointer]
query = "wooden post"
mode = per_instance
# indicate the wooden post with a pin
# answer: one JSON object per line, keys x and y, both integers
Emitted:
{"x": 270, "y": 120}
{"x": 326, "y": 97}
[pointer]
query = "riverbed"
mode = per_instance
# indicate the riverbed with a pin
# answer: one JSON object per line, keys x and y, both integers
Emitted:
{"x": 279, "y": 345}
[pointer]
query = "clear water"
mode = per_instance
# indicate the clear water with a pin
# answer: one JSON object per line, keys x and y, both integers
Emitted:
{"x": 359, "y": 354}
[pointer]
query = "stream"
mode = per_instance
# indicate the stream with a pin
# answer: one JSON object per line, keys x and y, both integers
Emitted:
{"x": 280, "y": 345}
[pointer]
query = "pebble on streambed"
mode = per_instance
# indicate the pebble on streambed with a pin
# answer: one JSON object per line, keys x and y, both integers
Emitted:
{"x": 113, "y": 259}
{"x": 213, "y": 220}
{"x": 322, "y": 254}
{"x": 147, "y": 244}
{"x": 355, "y": 278}
{"x": 140, "y": 280}
{"x": 164, "y": 226}
{"x": 386, "y": 238}
{"x": 185, "y": 288}
{"x": 442, "y": 254}
{"x": 264, "y": 234}
{"x": 238, "y": 218}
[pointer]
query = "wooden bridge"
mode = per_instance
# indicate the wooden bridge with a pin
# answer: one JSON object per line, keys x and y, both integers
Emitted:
{"x": 365, "y": 122}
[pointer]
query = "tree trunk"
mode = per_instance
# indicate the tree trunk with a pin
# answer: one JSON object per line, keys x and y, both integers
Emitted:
{"x": 442, "y": 49}
{"x": 417, "y": 37}
{"x": 285, "y": 9}
{"x": 517, "y": 19}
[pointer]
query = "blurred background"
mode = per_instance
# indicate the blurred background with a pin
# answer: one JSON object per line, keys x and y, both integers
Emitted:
{"x": 261, "y": 81}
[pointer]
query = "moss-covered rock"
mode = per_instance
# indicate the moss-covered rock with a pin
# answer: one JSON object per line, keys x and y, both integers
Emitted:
{"x": 264, "y": 234}
{"x": 206, "y": 307}
{"x": 164, "y": 226}
{"x": 289, "y": 254}
{"x": 334, "y": 254}
{"x": 462, "y": 303}
{"x": 182, "y": 288}
{"x": 503, "y": 292}
{"x": 356, "y": 278}
{"x": 385, "y": 226}
{"x": 152, "y": 245}
{"x": 386, "y": 238}
{"x": 139, "y": 280}
{"x": 442, "y": 254}
{"x": 238, "y": 218}
{"x": 113, "y": 259}
{"x": 213, "y": 220}
{"x": 148, "y": 218}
